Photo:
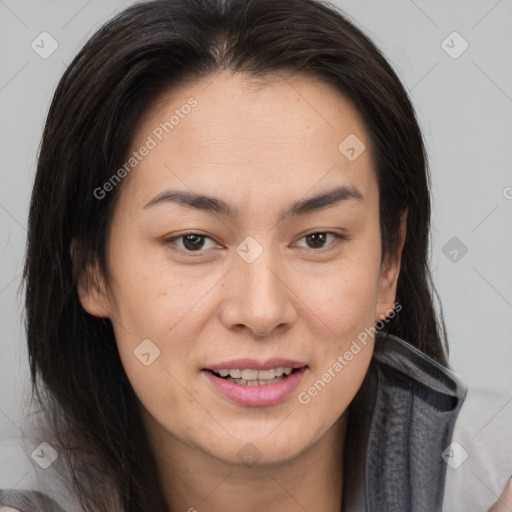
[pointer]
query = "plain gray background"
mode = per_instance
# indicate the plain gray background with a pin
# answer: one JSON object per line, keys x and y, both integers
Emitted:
{"x": 465, "y": 107}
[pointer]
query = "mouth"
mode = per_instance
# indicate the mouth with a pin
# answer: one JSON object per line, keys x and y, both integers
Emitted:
{"x": 252, "y": 384}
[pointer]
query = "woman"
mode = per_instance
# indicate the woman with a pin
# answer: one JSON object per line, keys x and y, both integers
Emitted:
{"x": 227, "y": 291}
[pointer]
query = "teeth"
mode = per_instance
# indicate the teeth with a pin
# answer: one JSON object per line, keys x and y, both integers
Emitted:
{"x": 242, "y": 376}
{"x": 250, "y": 374}
{"x": 267, "y": 374}
{"x": 254, "y": 382}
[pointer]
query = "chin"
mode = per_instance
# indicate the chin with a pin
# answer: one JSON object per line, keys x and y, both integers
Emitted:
{"x": 259, "y": 450}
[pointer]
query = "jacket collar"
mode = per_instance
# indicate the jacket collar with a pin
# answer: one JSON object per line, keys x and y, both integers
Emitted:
{"x": 399, "y": 423}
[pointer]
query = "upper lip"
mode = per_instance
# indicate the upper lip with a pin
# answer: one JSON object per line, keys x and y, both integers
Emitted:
{"x": 252, "y": 364}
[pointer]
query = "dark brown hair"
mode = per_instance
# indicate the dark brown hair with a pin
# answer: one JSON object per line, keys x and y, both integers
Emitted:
{"x": 76, "y": 371}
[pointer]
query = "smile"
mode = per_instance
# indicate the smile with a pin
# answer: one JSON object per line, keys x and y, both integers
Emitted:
{"x": 255, "y": 377}
{"x": 255, "y": 388}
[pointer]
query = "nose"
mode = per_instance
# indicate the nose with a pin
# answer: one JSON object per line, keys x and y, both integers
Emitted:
{"x": 259, "y": 297}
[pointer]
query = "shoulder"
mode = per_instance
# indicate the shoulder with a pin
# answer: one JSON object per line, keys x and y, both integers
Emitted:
{"x": 468, "y": 430}
{"x": 479, "y": 457}
{"x": 29, "y": 478}
{"x": 27, "y": 501}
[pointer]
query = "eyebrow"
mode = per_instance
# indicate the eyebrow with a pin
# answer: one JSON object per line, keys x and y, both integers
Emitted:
{"x": 218, "y": 205}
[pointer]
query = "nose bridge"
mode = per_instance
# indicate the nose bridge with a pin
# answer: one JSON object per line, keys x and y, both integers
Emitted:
{"x": 260, "y": 299}
{"x": 257, "y": 268}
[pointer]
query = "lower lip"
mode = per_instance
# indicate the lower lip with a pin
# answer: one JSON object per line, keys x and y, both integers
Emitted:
{"x": 260, "y": 395}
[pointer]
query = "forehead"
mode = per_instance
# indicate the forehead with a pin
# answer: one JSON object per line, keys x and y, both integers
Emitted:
{"x": 233, "y": 131}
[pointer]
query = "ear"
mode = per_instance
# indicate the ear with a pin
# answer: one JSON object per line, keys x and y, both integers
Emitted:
{"x": 91, "y": 288}
{"x": 390, "y": 270}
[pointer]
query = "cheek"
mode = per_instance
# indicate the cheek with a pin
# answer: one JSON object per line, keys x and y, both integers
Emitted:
{"x": 328, "y": 393}
{"x": 152, "y": 296}
{"x": 346, "y": 303}
{"x": 345, "y": 298}
{"x": 340, "y": 362}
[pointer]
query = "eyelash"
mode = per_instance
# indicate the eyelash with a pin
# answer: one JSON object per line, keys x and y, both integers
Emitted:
{"x": 171, "y": 241}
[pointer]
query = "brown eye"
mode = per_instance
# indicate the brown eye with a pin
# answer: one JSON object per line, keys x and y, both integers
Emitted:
{"x": 318, "y": 239}
{"x": 190, "y": 243}
{"x": 193, "y": 241}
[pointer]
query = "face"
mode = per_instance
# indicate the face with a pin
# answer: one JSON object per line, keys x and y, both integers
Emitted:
{"x": 256, "y": 279}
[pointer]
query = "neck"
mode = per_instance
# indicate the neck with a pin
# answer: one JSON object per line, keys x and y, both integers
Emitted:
{"x": 193, "y": 480}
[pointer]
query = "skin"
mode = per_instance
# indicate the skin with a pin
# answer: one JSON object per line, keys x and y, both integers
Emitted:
{"x": 504, "y": 503}
{"x": 259, "y": 146}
